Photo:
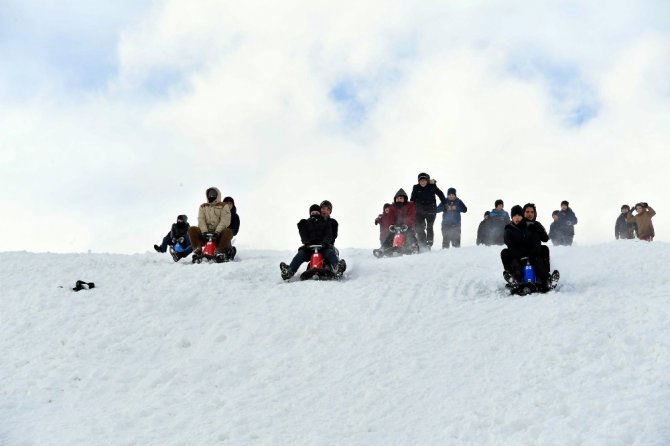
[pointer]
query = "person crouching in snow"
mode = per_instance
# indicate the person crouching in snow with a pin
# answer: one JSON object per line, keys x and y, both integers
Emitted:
{"x": 213, "y": 217}
{"x": 314, "y": 231}
{"x": 178, "y": 234}
{"x": 452, "y": 209}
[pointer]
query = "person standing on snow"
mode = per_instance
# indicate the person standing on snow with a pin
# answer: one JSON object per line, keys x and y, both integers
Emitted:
{"x": 499, "y": 218}
{"x": 642, "y": 218}
{"x": 566, "y": 223}
{"x": 383, "y": 221}
{"x": 624, "y": 229}
{"x": 423, "y": 197}
{"x": 213, "y": 217}
{"x": 483, "y": 231}
{"x": 452, "y": 209}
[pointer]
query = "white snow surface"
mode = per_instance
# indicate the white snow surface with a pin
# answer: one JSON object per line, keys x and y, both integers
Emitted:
{"x": 422, "y": 350}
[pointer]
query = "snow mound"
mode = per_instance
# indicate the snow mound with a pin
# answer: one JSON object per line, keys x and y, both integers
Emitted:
{"x": 426, "y": 349}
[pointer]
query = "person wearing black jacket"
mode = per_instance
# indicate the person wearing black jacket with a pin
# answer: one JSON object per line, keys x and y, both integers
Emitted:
{"x": 313, "y": 231}
{"x": 523, "y": 239}
{"x": 423, "y": 196}
{"x": 624, "y": 229}
{"x": 178, "y": 231}
{"x": 234, "y": 226}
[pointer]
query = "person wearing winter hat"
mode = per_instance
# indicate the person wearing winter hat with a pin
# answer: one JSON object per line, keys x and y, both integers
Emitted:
{"x": 522, "y": 241}
{"x": 642, "y": 218}
{"x": 178, "y": 234}
{"x": 451, "y": 209}
{"x": 213, "y": 218}
{"x": 313, "y": 231}
{"x": 624, "y": 229}
{"x": 566, "y": 223}
{"x": 402, "y": 212}
{"x": 383, "y": 221}
{"x": 423, "y": 196}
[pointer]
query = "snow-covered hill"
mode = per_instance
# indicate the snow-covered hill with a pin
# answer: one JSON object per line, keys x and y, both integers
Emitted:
{"x": 425, "y": 350}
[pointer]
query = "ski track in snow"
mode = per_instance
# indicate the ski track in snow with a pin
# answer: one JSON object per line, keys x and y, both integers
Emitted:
{"x": 426, "y": 349}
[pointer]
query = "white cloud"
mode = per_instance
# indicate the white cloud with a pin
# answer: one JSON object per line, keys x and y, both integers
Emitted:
{"x": 241, "y": 96}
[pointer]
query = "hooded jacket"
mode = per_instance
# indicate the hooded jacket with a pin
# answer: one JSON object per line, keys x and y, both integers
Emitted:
{"x": 404, "y": 214}
{"x": 215, "y": 216}
{"x": 180, "y": 229}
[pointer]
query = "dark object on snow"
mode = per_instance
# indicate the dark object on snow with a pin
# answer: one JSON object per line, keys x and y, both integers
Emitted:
{"x": 81, "y": 285}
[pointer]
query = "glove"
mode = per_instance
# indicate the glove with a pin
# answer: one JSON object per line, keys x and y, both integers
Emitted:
{"x": 378, "y": 220}
{"x": 216, "y": 237}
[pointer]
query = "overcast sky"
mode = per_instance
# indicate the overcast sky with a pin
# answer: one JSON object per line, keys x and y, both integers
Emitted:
{"x": 115, "y": 117}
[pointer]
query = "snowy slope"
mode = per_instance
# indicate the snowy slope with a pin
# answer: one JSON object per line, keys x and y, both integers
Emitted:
{"x": 418, "y": 350}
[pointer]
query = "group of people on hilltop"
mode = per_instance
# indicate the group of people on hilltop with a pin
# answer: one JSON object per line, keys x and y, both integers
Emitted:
{"x": 492, "y": 227}
{"x": 217, "y": 218}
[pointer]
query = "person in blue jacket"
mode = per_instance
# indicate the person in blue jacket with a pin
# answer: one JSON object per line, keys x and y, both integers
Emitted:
{"x": 451, "y": 209}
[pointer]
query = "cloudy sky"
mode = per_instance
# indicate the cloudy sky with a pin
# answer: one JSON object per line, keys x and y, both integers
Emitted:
{"x": 116, "y": 116}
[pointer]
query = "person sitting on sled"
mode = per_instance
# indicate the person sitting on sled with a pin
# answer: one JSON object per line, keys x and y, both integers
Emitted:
{"x": 178, "y": 234}
{"x": 213, "y": 217}
{"x": 234, "y": 226}
{"x": 530, "y": 214}
{"x": 522, "y": 238}
{"x": 314, "y": 231}
{"x": 401, "y": 213}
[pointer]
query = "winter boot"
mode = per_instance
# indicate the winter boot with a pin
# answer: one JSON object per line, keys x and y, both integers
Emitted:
{"x": 341, "y": 268}
{"x": 553, "y": 280}
{"x": 286, "y": 272}
{"x": 379, "y": 253}
{"x": 220, "y": 257}
{"x": 158, "y": 248}
{"x": 175, "y": 255}
{"x": 231, "y": 253}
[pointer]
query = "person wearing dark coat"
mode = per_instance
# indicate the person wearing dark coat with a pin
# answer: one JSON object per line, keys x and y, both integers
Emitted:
{"x": 530, "y": 214}
{"x": 566, "y": 223}
{"x": 423, "y": 196}
{"x": 624, "y": 229}
{"x": 556, "y": 235}
{"x": 483, "y": 231}
{"x": 401, "y": 213}
{"x": 452, "y": 208}
{"x": 178, "y": 231}
{"x": 234, "y": 226}
{"x": 522, "y": 238}
{"x": 313, "y": 231}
